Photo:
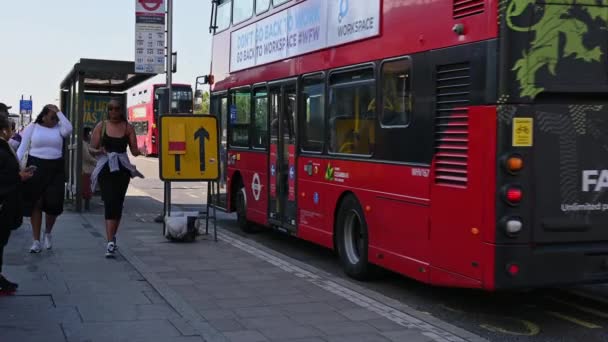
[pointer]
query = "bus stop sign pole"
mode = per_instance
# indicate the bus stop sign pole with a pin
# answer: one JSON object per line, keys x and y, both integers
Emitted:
{"x": 169, "y": 71}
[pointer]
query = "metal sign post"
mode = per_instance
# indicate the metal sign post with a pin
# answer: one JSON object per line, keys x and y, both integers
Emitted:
{"x": 169, "y": 71}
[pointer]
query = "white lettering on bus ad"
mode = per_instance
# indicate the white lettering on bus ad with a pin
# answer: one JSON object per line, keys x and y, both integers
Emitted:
{"x": 303, "y": 28}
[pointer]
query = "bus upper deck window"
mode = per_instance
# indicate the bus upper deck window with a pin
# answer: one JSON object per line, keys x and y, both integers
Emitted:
{"x": 241, "y": 10}
{"x": 223, "y": 15}
{"x": 261, "y": 6}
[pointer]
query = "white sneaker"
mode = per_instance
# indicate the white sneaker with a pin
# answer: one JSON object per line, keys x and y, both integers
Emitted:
{"x": 110, "y": 249}
{"x": 47, "y": 241}
{"x": 36, "y": 247}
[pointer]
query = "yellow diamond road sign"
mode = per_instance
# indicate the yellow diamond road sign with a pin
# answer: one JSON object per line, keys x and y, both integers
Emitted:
{"x": 189, "y": 147}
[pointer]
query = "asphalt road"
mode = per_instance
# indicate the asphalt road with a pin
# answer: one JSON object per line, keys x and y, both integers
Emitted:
{"x": 566, "y": 314}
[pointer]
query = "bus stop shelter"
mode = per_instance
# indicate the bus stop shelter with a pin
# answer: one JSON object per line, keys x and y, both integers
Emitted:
{"x": 84, "y": 94}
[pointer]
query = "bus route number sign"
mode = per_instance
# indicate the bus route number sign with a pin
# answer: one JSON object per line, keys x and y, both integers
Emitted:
{"x": 189, "y": 148}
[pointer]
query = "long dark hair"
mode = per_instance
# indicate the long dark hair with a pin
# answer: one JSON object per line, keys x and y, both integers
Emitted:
{"x": 123, "y": 115}
{"x": 43, "y": 113}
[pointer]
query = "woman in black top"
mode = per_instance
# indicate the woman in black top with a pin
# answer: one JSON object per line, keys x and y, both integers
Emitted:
{"x": 111, "y": 138}
{"x": 11, "y": 203}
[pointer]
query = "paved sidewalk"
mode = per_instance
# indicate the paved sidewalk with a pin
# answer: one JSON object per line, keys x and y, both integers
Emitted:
{"x": 72, "y": 293}
{"x": 232, "y": 290}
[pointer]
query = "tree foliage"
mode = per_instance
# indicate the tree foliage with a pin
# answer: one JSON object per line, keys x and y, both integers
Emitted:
{"x": 202, "y": 103}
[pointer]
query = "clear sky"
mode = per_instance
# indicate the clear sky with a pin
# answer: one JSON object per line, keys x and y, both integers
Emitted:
{"x": 42, "y": 40}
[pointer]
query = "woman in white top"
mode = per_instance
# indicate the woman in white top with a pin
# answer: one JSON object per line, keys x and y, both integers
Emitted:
{"x": 43, "y": 142}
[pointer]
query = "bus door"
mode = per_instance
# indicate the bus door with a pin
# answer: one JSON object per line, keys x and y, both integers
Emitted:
{"x": 282, "y": 161}
{"x": 219, "y": 108}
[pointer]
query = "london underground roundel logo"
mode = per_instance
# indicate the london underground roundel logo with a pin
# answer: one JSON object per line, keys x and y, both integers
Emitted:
{"x": 151, "y": 5}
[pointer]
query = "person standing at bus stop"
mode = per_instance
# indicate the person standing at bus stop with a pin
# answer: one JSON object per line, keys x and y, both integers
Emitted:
{"x": 4, "y": 108}
{"x": 15, "y": 140}
{"x": 114, "y": 169}
{"x": 42, "y": 145}
{"x": 11, "y": 204}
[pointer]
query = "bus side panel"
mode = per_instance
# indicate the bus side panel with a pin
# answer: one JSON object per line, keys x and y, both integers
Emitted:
{"x": 151, "y": 138}
{"x": 249, "y": 164}
{"x": 315, "y": 208}
{"x": 400, "y": 234}
{"x": 459, "y": 212}
{"x": 395, "y": 205}
{"x": 230, "y": 188}
{"x": 138, "y": 116}
{"x": 485, "y": 138}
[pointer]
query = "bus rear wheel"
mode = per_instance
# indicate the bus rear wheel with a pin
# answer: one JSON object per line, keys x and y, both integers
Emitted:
{"x": 353, "y": 239}
{"x": 241, "y": 211}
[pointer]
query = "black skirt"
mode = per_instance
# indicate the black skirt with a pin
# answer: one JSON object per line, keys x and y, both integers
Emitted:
{"x": 47, "y": 185}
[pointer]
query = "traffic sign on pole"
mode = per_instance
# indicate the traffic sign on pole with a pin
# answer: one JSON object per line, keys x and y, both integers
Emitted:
{"x": 25, "y": 107}
{"x": 189, "y": 147}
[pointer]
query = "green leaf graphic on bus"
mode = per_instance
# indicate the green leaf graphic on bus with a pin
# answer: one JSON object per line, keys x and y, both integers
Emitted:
{"x": 556, "y": 29}
{"x": 329, "y": 173}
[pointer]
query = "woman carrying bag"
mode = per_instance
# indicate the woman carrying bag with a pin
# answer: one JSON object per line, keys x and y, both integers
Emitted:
{"x": 11, "y": 210}
{"x": 42, "y": 145}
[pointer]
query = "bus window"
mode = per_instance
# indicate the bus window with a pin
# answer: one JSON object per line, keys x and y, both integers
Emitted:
{"x": 313, "y": 109}
{"x": 261, "y": 6}
{"x": 182, "y": 100}
{"x": 140, "y": 127}
{"x": 241, "y": 10}
{"x": 239, "y": 116}
{"x": 396, "y": 92}
{"x": 224, "y": 120}
{"x": 260, "y": 119}
{"x": 352, "y": 114}
{"x": 279, "y": 2}
{"x": 223, "y": 15}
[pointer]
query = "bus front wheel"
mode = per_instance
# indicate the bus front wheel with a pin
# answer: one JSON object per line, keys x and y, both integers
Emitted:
{"x": 241, "y": 211}
{"x": 353, "y": 239}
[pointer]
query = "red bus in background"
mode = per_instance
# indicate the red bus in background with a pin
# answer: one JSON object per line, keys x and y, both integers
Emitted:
{"x": 144, "y": 106}
{"x": 468, "y": 150}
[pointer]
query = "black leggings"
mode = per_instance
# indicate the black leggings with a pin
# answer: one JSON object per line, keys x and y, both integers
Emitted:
{"x": 4, "y": 235}
{"x": 113, "y": 191}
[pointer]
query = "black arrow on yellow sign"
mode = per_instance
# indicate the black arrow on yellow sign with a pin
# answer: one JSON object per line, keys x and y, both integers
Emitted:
{"x": 201, "y": 134}
{"x": 178, "y": 163}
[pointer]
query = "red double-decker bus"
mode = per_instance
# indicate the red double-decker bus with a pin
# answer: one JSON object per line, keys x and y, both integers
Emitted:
{"x": 147, "y": 102}
{"x": 460, "y": 143}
